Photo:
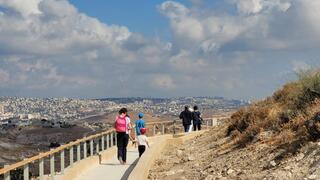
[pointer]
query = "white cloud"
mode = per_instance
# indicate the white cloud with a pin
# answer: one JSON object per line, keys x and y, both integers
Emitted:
{"x": 300, "y": 66}
{"x": 164, "y": 82}
{"x": 25, "y": 8}
{"x": 173, "y": 10}
{"x": 257, "y": 6}
{"x": 48, "y": 47}
{"x": 4, "y": 76}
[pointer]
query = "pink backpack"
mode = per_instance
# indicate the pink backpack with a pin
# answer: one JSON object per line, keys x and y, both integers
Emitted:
{"x": 121, "y": 124}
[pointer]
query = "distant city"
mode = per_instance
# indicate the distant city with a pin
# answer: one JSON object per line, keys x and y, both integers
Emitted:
{"x": 24, "y": 111}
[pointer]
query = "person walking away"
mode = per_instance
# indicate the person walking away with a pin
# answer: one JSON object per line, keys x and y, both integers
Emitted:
{"x": 142, "y": 141}
{"x": 186, "y": 117}
{"x": 122, "y": 126}
{"x": 196, "y": 118}
{"x": 139, "y": 123}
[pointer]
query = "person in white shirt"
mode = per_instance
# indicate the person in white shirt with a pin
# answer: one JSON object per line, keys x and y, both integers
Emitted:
{"x": 142, "y": 141}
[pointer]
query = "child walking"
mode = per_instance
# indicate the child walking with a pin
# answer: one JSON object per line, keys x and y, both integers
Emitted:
{"x": 142, "y": 141}
{"x": 139, "y": 123}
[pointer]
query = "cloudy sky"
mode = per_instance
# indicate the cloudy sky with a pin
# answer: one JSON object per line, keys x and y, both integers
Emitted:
{"x": 152, "y": 48}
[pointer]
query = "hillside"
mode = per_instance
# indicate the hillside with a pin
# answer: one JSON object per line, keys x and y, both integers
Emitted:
{"x": 276, "y": 138}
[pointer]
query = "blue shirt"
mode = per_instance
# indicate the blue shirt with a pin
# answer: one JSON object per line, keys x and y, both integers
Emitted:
{"x": 139, "y": 125}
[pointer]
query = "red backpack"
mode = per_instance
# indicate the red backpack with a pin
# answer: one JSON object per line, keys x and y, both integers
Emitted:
{"x": 121, "y": 124}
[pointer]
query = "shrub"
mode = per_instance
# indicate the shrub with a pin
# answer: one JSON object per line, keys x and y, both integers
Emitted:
{"x": 285, "y": 113}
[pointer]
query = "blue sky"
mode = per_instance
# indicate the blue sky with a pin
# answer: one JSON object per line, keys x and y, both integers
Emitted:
{"x": 141, "y": 16}
{"x": 244, "y": 49}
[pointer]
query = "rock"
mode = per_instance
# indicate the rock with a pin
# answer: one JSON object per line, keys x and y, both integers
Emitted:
{"x": 197, "y": 165}
{"x": 170, "y": 173}
{"x": 191, "y": 158}
{"x": 180, "y": 171}
{"x": 312, "y": 176}
{"x": 300, "y": 157}
{"x": 230, "y": 171}
{"x": 179, "y": 153}
{"x": 273, "y": 163}
{"x": 265, "y": 135}
{"x": 209, "y": 177}
{"x": 287, "y": 168}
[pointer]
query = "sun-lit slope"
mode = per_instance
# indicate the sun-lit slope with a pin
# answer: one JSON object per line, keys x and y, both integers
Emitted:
{"x": 275, "y": 138}
{"x": 290, "y": 115}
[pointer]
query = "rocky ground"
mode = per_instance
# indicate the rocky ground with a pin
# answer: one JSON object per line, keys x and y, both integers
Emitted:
{"x": 214, "y": 156}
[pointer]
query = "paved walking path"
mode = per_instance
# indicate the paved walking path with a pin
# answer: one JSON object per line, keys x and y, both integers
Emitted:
{"x": 111, "y": 169}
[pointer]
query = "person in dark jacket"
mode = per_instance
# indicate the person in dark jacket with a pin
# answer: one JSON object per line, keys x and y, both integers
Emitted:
{"x": 196, "y": 117}
{"x": 186, "y": 117}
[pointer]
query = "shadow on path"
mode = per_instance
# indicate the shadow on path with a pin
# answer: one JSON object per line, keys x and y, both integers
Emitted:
{"x": 116, "y": 164}
{"x": 129, "y": 170}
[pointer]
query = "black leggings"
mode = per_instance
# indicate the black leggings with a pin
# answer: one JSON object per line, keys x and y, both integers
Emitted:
{"x": 122, "y": 143}
{"x": 141, "y": 149}
{"x": 195, "y": 126}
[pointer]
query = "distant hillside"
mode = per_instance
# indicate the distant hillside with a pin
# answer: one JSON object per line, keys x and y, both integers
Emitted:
{"x": 178, "y": 100}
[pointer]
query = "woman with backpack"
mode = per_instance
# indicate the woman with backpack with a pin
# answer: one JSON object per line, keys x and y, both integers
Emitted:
{"x": 122, "y": 126}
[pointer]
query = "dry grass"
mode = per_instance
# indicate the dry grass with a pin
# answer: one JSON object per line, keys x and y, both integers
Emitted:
{"x": 285, "y": 115}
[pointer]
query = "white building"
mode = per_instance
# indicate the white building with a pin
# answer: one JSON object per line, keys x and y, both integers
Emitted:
{"x": 2, "y": 109}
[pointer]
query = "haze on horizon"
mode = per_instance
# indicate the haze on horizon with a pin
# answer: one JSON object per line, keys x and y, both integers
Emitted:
{"x": 91, "y": 49}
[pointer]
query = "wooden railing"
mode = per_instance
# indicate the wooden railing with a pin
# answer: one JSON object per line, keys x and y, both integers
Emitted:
{"x": 82, "y": 149}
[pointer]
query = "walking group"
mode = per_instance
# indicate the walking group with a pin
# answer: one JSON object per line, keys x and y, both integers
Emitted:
{"x": 123, "y": 128}
{"x": 191, "y": 119}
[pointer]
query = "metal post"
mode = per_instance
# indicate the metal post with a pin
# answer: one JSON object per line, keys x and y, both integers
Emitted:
{"x": 108, "y": 141}
{"x": 62, "y": 161}
{"x": 41, "y": 169}
{"x": 97, "y": 146}
{"x": 115, "y": 138}
{"x": 212, "y": 122}
{"x": 163, "y": 130}
{"x": 111, "y": 141}
{"x": 78, "y": 152}
{"x": 91, "y": 147}
{"x": 52, "y": 169}
{"x": 7, "y": 174}
{"x": 26, "y": 172}
{"x": 85, "y": 150}
{"x": 102, "y": 143}
{"x": 207, "y": 123}
{"x": 154, "y": 130}
{"x": 71, "y": 156}
{"x": 174, "y": 127}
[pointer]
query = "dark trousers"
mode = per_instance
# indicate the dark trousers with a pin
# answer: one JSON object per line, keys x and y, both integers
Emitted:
{"x": 141, "y": 149}
{"x": 197, "y": 126}
{"x": 122, "y": 143}
{"x": 186, "y": 127}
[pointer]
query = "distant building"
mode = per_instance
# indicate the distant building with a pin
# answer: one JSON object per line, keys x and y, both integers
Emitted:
{"x": 2, "y": 111}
